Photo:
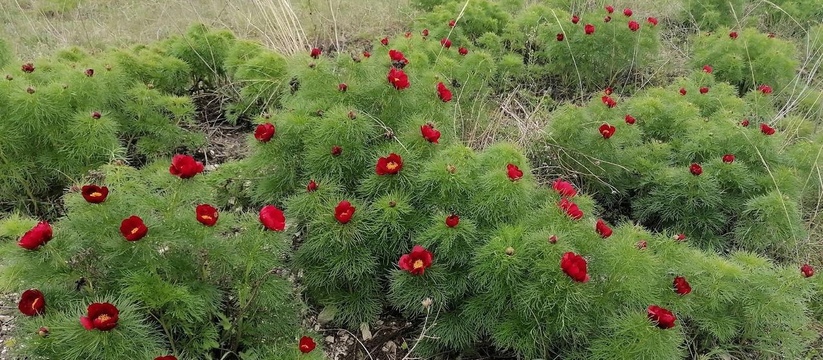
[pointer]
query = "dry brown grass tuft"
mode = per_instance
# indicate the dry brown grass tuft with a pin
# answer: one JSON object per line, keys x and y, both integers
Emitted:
{"x": 285, "y": 25}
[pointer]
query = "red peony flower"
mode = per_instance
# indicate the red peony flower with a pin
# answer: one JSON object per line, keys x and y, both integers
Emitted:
{"x": 443, "y": 92}
{"x": 609, "y": 9}
{"x": 733, "y": 35}
{"x": 312, "y": 186}
{"x": 417, "y": 261}
{"x": 695, "y": 169}
{"x": 89, "y": 72}
{"x": 663, "y": 318}
{"x": 704, "y": 90}
{"x": 766, "y": 129}
{"x": 575, "y": 267}
{"x": 806, "y": 269}
{"x": 607, "y": 19}
{"x": 425, "y": 32}
{"x": 389, "y": 165}
{"x": 564, "y": 188}
{"x": 589, "y": 29}
{"x": 680, "y": 237}
{"x": 94, "y": 194}
{"x": 575, "y": 19}
{"x": 553, "y": 239}
{"x": 652, "y": 20}
{"x": 513, "y": 172}
{"x": 571, "y": 209}
{"x": 627, "y": 12}
{"x": 642, "y": 244}
{"x": 206, "y": 214}
{"x": 185, "y": 167}
{"x": 682, "y": 91}
{"x": 429, "y": 133}
{"x": 100, "y": 316}
{"x": 707, "y": 69}
{"x": 398, "y": 79}
{"x": 336, "y": 150}
{"x": 264, "y": 132}
{"x": 451, "y": 23}
{"x": 315, "y": 53}
{"x": 366, "y": 54}
{"x": 681, "y": 286}
{"x": 630, "y": 119}
{"x": 27, "y": 68}
{"x": 728, "y": 158}
{"x": 385, "y": 41}
{"x": 745, "y": 123}
{"x": 133, "y": 228}
{"x": 452, "y": 220}
{"x": 32, "y": 302}
{"x": 608, "y": 90}
{"x": 96, "y": 115}
{"x": 167, "y": 357}
{"x": 560, "y": 36}
{"x": 306, "y": 344}
{"x": 633, "y": 25}
{"x": 607, "y": 130}
{"x": 343, "y": 212}
{"x": 398, "y": 57}
{"x": 603, "y": 229}
{"x": 445, "y": 42}
{"x": 463, "y": 51}
{"x": 608, "y": 101}
{"x": 272, "y": 218}
{"x": 342, "y": 87}
{"x": 765, "y": 89}
{"x": 38, "y": 236}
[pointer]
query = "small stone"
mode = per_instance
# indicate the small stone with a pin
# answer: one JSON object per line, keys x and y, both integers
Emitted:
{"x": 366, "y": 333}
{"x": 330, "y": 339}
{"x": 510, "y": 251}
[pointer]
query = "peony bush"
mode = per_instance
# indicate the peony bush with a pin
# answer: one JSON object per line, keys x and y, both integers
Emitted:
{"x": 142, "y": 267}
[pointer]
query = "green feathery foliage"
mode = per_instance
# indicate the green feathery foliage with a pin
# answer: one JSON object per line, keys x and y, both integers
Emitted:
{"x": 708, "y": 15}
{"x": 748, "y": 59}
{"x": 748, "y": 200}
{"x": 187, "y": 288}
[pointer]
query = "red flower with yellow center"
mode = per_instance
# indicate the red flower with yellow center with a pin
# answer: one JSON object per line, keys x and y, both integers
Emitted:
{"x": 398, "y": 79}
{"x": 32, "y": 302}
{"x": 101, "y": 316}
{"x": 389, "y": 165}
{"x": 94, "y": 194}
{"x": 133, "y": 228}
{"x": 417, "y": 261}
{"x": 306, "y": 344}
{"x": 206, "y": 214}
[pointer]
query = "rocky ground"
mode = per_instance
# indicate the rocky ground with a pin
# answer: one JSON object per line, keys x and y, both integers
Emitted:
{"x": 7, "y": 308}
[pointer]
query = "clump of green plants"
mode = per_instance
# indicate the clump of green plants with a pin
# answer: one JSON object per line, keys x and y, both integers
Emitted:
{"x": 692, "y": 158}
{"x": 74, "y": 111}
{"x": 747, "y": 58}
{"x": 142, "y": 266}
{"x": 708, "y": 15}
{"x": 353, "y": 156}
{"x": 393, "y": 211}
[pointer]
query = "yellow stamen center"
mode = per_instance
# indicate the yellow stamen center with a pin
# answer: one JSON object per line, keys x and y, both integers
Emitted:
{"x": 96, "y": 194}
{"x": 134, "y": 231}
{"x": 206, "y": 217}
{"x": 417, "y": 264}
{"x": 391, "y": 165}
{"x": 34, "y": 303}
{"x": 103, "y": 318}
{"x": 396, "y": 79}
